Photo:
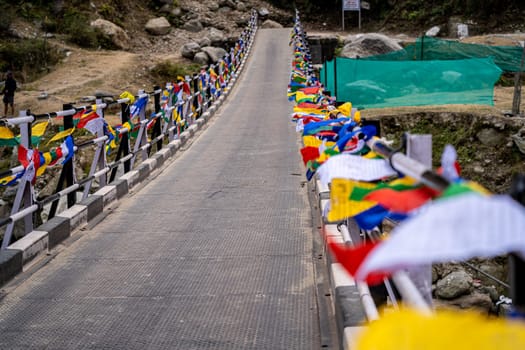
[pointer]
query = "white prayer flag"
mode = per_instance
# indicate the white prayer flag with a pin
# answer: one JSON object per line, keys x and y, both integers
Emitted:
{"x": 348, "y": 166}
{"x": 456, "y": 228}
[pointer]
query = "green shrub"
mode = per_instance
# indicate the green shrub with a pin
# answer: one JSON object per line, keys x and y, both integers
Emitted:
{"x": 49, "y": 24}
{"x": 169, "y": 71}
{"x": 6, "y": 17}
{"x": 28, "y": 58}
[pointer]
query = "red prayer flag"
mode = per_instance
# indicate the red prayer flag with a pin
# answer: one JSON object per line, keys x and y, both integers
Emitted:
{"x": 86, "y": 118}
{"x": 401, "y": 201}
{"x": 351, "y": 259}
{"x": 310, "y": 90}
{"x": 309, "y": 153}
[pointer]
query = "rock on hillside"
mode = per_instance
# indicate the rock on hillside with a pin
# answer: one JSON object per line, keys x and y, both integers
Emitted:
{"x": 369, "y": 44}
{"x": 116, "y": 34}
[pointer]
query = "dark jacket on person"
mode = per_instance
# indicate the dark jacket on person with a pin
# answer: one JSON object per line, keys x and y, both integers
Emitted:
{"x": 10, "y": 86}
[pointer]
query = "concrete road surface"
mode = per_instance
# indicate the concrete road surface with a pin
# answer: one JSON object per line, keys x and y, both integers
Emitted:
{"x": 215, "y": 253}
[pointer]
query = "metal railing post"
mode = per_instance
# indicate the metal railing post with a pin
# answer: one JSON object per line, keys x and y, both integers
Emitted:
{"x": 100, "y": 132}
{"x": 24, "y": 193}
{"x": 66, "y": 174}
{"x": 123, "y": 148}
{"x": 157, "y": 128}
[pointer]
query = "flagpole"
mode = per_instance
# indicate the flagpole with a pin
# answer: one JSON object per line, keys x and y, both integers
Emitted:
{"x": 516, "y": 263}
{"x": 367, "y": 301}
{"x": 409, "y": 166}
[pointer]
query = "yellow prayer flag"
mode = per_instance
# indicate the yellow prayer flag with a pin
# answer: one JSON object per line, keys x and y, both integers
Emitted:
{"x": 318, "y": 111}
{"x": 411, "y": 330}
{"x": 341, "y": 207}
{"x": 345, "y": 108}
{"x": 6, "y": 133}
{"x": 357, "y": 116}
{"x": 47, "y": 158}
{"x": 127, "y": 94}
{"x": 39, "y": 129}
{"x": 41, "y": 169}
{"x": 60, "y": 135}
{"x": 312, "y": 141}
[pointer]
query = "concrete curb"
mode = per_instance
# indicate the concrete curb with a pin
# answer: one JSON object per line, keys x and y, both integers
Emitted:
{"x": 349, "y": 312}
{"x": 61, "y": 227}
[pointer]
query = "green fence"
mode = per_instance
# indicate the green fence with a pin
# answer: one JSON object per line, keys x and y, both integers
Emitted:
{"x": 379, "y": 84}
{"x": 508, "y": 58}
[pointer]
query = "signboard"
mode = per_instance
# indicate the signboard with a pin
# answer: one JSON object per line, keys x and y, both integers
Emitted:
{"x": 351, "y": 5}
{"x": 365, "y": 5}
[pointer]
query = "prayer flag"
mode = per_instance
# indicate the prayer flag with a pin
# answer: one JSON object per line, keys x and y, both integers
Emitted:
{"x": 409, "y": 329}
{"x": 456, "y": 228}
{"x": 91, "y": 121}
{"x": 7, "y": 138}
{"x": 37, "y": 131}
{"x": 60, "y": 135}
{"x": 352, "y": 257}
{"x": 354, "y": 167}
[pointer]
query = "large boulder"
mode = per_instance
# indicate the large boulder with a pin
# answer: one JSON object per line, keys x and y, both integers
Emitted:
{"x": 189, "y": 50}
{"x": 216, "y": 36}
{"x": 454, "y": 284}
{"x": 176, "y": 12}
{"x": 490, "y": 137}
{"x": 166, "y": 8}
{"x": 434, "y": 31}
{"x": 201, "y": 58}
{"x": 271, "y": 24}
{"x": 242, "y": 21}
{"x": 113, "y": 32}
{"x": 214, "y": 53}
{"x": 204, "y": 42}
{"x": 213, "y": 6}
{"x": 227, "y": 3}
{"x": 368, "y": 44}
{"x": 241, "y": 6}
{"x": 193, "y": 25}
{"x": 264, "y": 12}
{"x": 158, "y": 26}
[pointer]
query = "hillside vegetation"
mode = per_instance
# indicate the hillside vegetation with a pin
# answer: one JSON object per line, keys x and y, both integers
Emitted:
{"x": 68, "y": 20}
{"x": 414, "y": 16}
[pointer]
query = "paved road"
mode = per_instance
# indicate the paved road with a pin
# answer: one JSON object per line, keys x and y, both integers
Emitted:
{"x": 216, "y": 253}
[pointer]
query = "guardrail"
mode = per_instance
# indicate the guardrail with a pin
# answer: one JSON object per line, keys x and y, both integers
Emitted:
{"x": 176, "y": 109}
{"x": 331, "y": 124}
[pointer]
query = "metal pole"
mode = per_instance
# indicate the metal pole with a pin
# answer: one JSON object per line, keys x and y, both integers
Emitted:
{"x": 516, "y": 100}
{"x": 409, "y": 292}
{"x": 24, "y": 193}
{"x": 422, "y": 47}
{"x": 367, "y": 301}
{"x": 516, "y": 263}
{"x": 67, "y": 170}
{"x": 343, "y": 11}
{"x": 325, "y": 67}
{"x": 409, "y": 166}
{"x": 335, "y": 78}
{"x": 156, "y": 127}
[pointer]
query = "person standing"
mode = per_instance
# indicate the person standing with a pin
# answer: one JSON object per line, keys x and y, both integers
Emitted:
{"x": 9, "y": 93}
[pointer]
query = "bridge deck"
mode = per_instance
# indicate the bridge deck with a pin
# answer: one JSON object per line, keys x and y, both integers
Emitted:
{"x": 215, "y": 253}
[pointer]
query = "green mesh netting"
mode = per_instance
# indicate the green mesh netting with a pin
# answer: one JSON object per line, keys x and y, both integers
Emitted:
{"x": 508, "y": 58}
{"x": 379, "y": 84}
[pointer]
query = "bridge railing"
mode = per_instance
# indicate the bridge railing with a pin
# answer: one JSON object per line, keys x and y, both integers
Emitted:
{"x": 174, "y": 109}
{"x": 340, "y": 234}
